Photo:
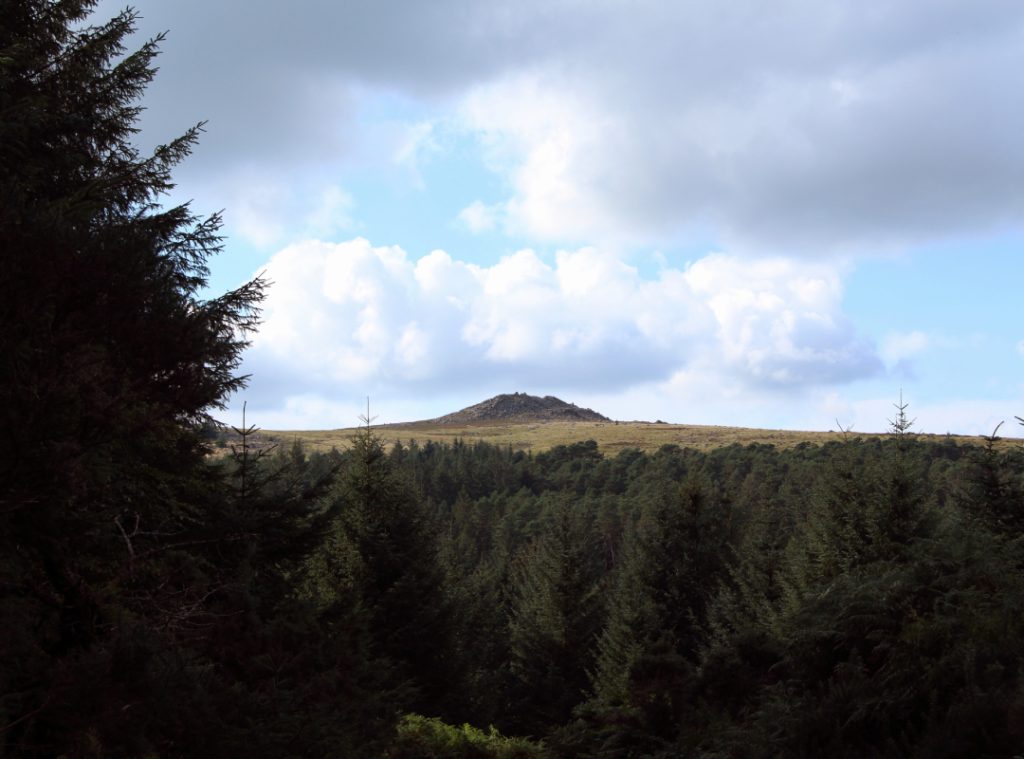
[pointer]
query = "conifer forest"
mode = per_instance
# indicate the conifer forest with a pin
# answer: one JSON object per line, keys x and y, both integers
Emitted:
{"x": 163, "y": 598}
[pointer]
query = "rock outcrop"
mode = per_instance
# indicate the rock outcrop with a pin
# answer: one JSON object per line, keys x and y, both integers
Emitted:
{"x": 520, "y": 407}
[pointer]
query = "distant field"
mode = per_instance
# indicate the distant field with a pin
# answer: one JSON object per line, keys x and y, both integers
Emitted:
{"x": 611, "y": 437}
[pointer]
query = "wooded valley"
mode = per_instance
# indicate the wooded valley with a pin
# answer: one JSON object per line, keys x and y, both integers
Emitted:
{"x": 860, "y": 597}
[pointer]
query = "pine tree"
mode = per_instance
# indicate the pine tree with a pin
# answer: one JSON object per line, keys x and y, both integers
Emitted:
{"x": 848, "y": 658}
{"x": 287, "y": 672}
{"x": 991, "y": 491}
{"x": 111, "y": 362}
{"x": 555, "y": 618}
{"x": 386, "y": 553}
{"x": 746, "y": 601}
{"x": 649, "y": 648}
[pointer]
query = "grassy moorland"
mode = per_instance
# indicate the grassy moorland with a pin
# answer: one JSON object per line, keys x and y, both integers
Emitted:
{"x": 611, "y": 437}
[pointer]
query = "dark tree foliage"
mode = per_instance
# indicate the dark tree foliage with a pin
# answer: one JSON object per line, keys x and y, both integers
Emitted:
{"x": 479, "y": 577}
{"x": 111, "y": 361}
{"x": 647, "y": 653}
{"x": 991, "y": 491}
{"x": 855, "y": 599}
{"x": 384, "y": 555}
{"x": 884, "y": 639}
{"x": 555, "y": 617}
{"x": 292, "y": 672}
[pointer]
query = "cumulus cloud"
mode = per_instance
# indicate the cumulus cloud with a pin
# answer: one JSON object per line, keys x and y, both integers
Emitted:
{"x": 808, "y": 126}
{"x": 352, "y": 317}
{"x": 899, "y": 348}
{"x": 779, "y": 321}
{"x": 813, "y": 127}
{"x": 803, "y": 161}
{"x": 266, "y": 210}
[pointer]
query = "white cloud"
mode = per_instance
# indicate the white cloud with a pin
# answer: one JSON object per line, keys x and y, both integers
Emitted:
{"x": 805, "y": 128}
{"x": 266, "y": 210}
{"x": 900, "y": 346}
{"x": 415, "y": 147}
{"x": 779, "y": 322}
{"x": 331, "y": 215}
{"x": 801, "y": 127}
{"x": 351, "y": 318}
{"x": 543, "y": 139}
{"x": 478, "y": 217}
{"x": 255, "y": 213}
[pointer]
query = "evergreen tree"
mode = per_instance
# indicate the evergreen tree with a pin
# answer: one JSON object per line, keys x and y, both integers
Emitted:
{"x": 292, "y": 671}
{"x": 555, "y": 618}
{"x": 112, "y": 360}
{"x": 746, "y": 601}
{"x": 649, "y": 648}
{"x": 478, "y": 574}
{"x": 891, "y": 637}
{"x": 992, "y": 491}
{"x": 385, "y": 554}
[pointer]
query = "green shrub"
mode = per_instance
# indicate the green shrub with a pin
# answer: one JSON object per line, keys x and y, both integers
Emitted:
{"x": 429, "y": 738}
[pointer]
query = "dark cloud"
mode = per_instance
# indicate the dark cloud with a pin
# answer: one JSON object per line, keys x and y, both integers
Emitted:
{"x": 800, "y": 125}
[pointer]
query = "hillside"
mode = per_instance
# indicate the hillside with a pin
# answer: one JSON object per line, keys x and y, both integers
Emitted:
{"x": 520, "y": 407}
{"x": 611, "y": 437}
{"x": 532, "y": 423}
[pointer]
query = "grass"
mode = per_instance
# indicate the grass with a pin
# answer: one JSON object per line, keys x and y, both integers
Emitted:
{"x": 611, "y": 437}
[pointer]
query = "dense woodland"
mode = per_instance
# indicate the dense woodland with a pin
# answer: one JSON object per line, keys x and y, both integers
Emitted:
{"x": 862, "y": 598}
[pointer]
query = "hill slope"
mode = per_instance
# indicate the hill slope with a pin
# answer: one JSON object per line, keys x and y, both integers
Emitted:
{"x": 520, "y": 407}
{"x": 611, "y": 437}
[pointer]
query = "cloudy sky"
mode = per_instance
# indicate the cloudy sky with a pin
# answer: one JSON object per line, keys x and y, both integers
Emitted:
{"x": 702, "y": 211}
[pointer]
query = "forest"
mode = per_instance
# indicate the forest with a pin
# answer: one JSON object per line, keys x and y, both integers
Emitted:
{"x": 863, "y": 597}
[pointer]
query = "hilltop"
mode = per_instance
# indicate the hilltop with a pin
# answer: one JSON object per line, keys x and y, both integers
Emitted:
{"x": 520, "y": 407}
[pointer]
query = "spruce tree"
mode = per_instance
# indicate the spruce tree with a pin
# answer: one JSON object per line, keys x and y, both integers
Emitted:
{"x": 648, "y": 650}
{"x": 991, "y": 491}
{"x": 112, "y": 359}
{"x": 556, "y": 613}
{"x": 386, "y": 554}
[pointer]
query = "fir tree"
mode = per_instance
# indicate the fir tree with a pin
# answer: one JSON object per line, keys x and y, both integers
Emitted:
{"x": 386, "y": 553}
{"x": 555, "y": 618}
{"x": 112, "y": 361}
{"x": 649, "y": 648}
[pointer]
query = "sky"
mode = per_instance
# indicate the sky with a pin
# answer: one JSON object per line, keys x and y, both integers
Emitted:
{"x": 726, "y": 212}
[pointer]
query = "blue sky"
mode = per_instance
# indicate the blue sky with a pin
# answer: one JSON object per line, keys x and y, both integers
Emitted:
{"x": 713, "y": 211}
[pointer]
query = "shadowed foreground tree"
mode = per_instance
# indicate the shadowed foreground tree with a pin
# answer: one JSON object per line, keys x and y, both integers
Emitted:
{"x": 111, "y": 361}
